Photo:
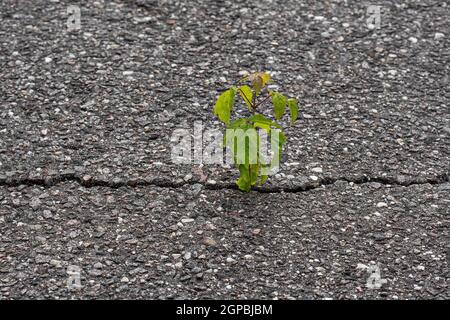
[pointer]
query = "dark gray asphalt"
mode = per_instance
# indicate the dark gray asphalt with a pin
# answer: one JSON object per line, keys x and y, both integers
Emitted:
{"x": 101, "y": 103}
{"x": 193, "y": 243}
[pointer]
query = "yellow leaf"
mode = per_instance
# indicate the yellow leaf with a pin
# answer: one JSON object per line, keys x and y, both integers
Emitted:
{"x": 259, "y": 80}
{"x": 265, "y": 77}
{"x": 247, "y": 95}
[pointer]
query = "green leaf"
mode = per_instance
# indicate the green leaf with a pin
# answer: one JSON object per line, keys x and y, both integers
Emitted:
{"x": 242, "y": 141}
{"x": 279, "y": 104}
{"x": 246, "y": 94}
{"x": 239, "y": 123}
{"x": 278, "y": 140}
{"x": 251, "y": 147}
{"x": 293, "y": 107}
{"x": 263, "y": 179}
{"x": 264, "y": 173}
{"x": 254, "y": 173}
{"x": 262, "y": 122}
{"x": 224, "y": 104}
{"x": 244, "y": 182}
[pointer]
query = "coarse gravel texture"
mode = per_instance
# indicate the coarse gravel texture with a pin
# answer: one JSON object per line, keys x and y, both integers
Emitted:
{"x": 105, "y": 100}
{"x": 86, "y": 177}
{"x": 188, "y": 242}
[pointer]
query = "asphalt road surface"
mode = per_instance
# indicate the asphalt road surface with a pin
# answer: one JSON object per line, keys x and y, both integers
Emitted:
{"x": 92, "y": 206}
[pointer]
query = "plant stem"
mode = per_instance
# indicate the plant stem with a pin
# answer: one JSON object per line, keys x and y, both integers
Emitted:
{"x": 261, "y": 102}
{"x": 248, "y": 101}
{"x": 254, "y": 103}
{"x": 241, "y": 79}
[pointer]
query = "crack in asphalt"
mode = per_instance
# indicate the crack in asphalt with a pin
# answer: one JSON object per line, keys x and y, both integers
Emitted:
{"x": 90, "y": 182}
{"x": 440, "y": 179}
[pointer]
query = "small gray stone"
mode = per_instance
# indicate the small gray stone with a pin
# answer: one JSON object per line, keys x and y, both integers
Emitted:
{"x": 35, "y": 203}
{"x": 230, "y": 260}
{"x": 209, "y": 241}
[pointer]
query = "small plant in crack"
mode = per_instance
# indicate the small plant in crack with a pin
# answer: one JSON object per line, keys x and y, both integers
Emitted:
{"x": 245, "y": 136}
